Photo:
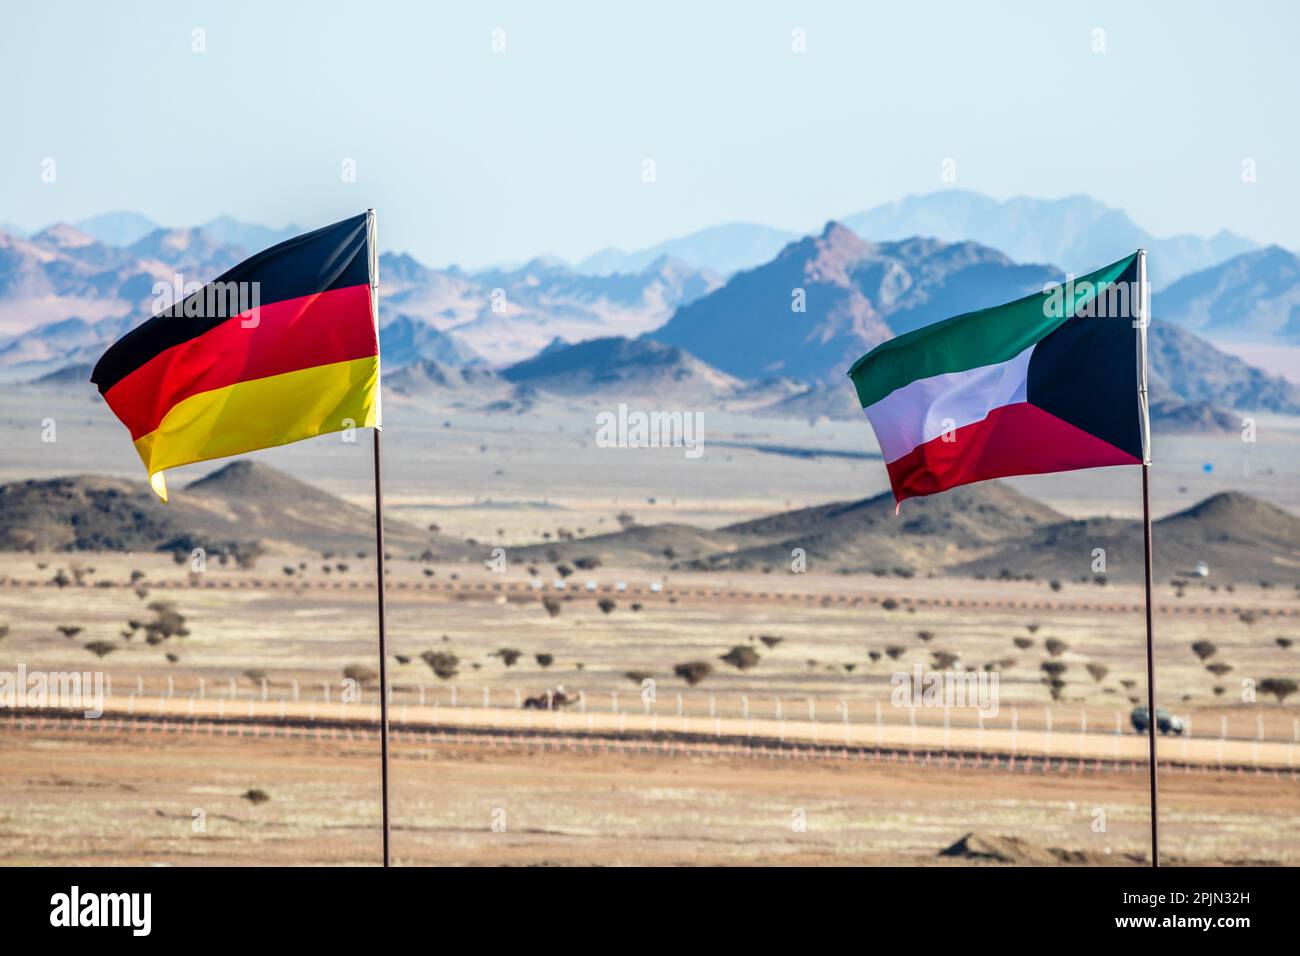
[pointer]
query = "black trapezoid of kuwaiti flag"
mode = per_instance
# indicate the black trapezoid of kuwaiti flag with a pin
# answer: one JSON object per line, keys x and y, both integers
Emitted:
{"x": 282, "y": 347}
{"x": 1050, "y": 382}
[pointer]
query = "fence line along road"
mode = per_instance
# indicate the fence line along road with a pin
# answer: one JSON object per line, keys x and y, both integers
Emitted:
{"x": 333, "y": 733}
{"x": 1003, "y": 743}
{"x": 468, "y": 589}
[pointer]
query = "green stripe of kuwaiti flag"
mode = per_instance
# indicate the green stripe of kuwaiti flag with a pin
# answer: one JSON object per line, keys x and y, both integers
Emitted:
{"x": 975, "y": 339}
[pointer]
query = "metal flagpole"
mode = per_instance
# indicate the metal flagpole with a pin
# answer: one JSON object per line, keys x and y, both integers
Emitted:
{"x": 1144, "y": 306}
{"x": 379, "y": 541}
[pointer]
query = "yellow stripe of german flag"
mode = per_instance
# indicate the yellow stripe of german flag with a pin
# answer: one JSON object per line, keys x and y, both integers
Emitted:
{"x": 263, "y": 412}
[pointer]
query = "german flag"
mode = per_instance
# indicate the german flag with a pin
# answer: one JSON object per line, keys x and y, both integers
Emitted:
{"x": 282, "y": 347}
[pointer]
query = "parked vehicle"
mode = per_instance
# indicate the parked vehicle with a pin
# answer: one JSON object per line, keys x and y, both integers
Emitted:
{"x": 1166, "y": 722}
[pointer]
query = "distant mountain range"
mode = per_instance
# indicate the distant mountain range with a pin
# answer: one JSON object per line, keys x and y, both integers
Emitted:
{"x": 1196, "y": 388}
{"x": 1254, "y": 297}
{"x": 723, "y": 249}
{"x": 1189, "y": 368}
{"x": 404, "y": 340}
{"x": 64, "y": 296}
{"x": 827, "y": 299}
{"x": 621, "y": 368}
{"x": 124, "y": 228}
{"x": 117, "y": 228}
{"x": 512, "y": 314}
{"x": 1076, "y": 234}
{"x": 775, "y": 338}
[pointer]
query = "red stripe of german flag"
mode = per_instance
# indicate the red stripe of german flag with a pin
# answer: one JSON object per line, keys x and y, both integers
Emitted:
{"x": 215, "y": 376}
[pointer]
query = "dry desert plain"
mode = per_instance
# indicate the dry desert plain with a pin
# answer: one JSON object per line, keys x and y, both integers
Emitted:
{"x": 785, "y": 761}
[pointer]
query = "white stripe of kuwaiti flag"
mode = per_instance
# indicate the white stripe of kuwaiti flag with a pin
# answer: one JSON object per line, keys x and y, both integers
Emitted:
{"x": 924, "y": 409}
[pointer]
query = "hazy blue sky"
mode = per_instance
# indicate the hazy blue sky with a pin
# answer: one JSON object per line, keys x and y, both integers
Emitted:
{"x": 473, "y": 156}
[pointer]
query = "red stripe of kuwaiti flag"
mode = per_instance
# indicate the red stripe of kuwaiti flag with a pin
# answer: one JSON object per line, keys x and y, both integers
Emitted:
{"x": 282, "y": 347}
{"x": 1046, "y": 383}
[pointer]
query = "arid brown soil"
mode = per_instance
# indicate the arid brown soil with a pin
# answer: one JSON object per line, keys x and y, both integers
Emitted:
{"x": 77, "y": 798}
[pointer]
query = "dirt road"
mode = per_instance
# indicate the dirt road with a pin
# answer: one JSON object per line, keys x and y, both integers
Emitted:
{"x": 1207, "y": 752}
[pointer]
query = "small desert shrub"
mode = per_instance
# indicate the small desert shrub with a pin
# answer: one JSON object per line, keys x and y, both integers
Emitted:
{"x": 1054, "y": 669}
{"x": 1279, "y": 687}
{"x": 172, "y": 658}
{"x": 636, "y": 677}
{"x": 693, "y": 671}
{"x": 1246, "y": 617}
{"x": 1024, "y": 643}
{"x": 443, "y": 663}
{"x": 508, "y": 656}
{"x": 167, "y": 622}
{"x": 363, "y": 675}
{"x": 1055, "y": 646}
{"x": 1218, "y": 668}
{"x": 889, "y": 604}
{"x": 544, "y": 660}
{"x": 255, "y": 675}
{"x": 606, "y": 605}
{"x": 100, "y": 648}
{"x": 1282, "y": 642}
{"x": 925, "y": 635}
{"x": 586, "y": 564}
{"x": 770, "y": 640}
{"x": 742, "y": 657}
{"x": 943, "y": 660}
{"x": 552, "y": 606}
{"x": 874, "y": 655}
{"x": 1204, "y": 650}
{"x": 895, "y": 652}
{"x": 1098, "y": 671}
{"x": 255, "y": 796}
{"x": 1032, "y": 628}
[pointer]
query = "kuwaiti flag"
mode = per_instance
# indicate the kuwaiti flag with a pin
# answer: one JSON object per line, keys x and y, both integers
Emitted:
{"x": 1046, "y": 383}
{"x": 282, "y": 347}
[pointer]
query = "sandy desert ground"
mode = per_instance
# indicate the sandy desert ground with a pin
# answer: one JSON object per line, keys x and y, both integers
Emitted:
{"x": 108, "y": 798}
{"x": 112, "y": 796}
{"x": 122, "y": 797}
